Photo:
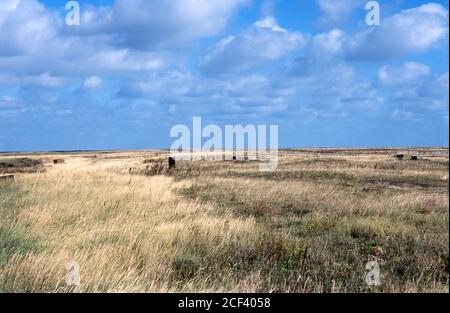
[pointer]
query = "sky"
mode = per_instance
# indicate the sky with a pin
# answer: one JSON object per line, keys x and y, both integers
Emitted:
{"x": 133, "y": 69}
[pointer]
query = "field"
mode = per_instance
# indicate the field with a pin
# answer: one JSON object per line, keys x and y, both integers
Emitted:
{"x": 224, "y": 226}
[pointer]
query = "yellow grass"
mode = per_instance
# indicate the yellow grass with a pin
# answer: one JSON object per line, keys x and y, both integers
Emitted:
{"x": 224, "y": 226}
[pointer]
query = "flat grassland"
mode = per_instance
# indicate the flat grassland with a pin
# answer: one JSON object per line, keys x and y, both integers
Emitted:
{"x": 224, "y": 226}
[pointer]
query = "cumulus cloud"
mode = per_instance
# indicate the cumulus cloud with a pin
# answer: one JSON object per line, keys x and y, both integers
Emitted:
{"x": 156, "y": 86}
{"x": 117, "y": 60}
{"x": 247, "y": 95}
{"x": 45, "y": 80}
{"x": 337, "y": 11}
{"x": 412, "y": 30}
{"x": 133, "y": 35}
{"x": 143, "y": 24}
{"x": 322, "y": 52}
{"x": 319, "y": 80}
{"x": 264, "y": 41}
{"x": 329, "y": 89}
{"x": 406, "y": 74}
{"x": 152, "y": 51}
{"x": 330, "y": 42}
{"x": 413, "y": 87}
{"x": 92, "y": 83}
{"x": 24, "y": 25}
{"x": 50, "y": 49}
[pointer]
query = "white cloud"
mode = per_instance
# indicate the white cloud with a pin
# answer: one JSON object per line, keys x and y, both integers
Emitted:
{"x": 415, "y": 89}
{"x": 24, "y": 25}
{"x": 330, "y": 42}
{"x": 405, "y": 74}
{"x": 113, "y": 60}
{"x": 253, "y": 71}
{"x": 45, "y": 80}
{"x": 143, "y": 24}
{"x": 92, "y": 83}
{"x": 128, "y": 36}
{"x": 337, "y": 11}
{"x": 156, "y": 86}
{"x": 270, "y": 23}
{"x": 413, "y": 30}
{"x": 264, "y": 41}
{"x": 321, "y": 52}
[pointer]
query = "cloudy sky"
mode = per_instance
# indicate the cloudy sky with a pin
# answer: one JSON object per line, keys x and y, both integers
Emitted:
{"x": 134, "y": 68}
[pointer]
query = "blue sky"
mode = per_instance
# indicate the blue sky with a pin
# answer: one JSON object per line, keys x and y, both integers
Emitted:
{"x": 134, "y": 68}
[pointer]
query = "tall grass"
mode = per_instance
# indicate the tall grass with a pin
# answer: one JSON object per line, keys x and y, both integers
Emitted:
{"x": 226, "y": 227}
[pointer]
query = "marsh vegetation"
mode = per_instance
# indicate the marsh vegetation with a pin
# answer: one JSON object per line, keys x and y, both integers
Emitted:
{"x": 212, "y": 226}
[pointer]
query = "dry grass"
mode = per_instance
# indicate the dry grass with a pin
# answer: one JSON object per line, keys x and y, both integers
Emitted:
{"x": 311, "y": 226}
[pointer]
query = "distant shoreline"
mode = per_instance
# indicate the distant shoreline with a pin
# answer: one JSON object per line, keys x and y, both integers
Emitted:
{"x": 305, "y": 149}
